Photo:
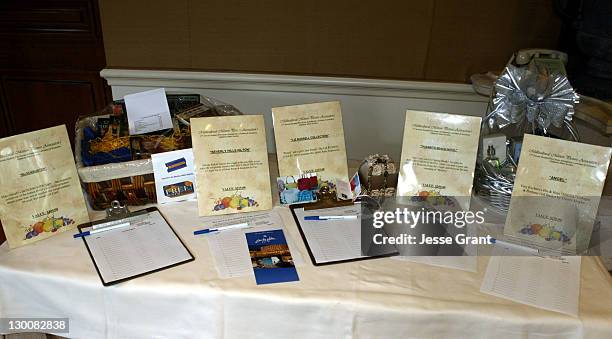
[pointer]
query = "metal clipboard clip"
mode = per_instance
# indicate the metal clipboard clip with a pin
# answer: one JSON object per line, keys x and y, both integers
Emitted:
{"x": 116, "y": 214}
{"x": 116, "y": 211}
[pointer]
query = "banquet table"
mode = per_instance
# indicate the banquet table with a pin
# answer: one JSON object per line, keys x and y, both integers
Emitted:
{"x": 379, "y": 298}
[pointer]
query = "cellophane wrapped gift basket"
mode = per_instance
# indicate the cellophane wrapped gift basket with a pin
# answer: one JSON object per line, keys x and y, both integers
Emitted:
{"x": 114, "y": 165}
{"x": 533, "y": 98}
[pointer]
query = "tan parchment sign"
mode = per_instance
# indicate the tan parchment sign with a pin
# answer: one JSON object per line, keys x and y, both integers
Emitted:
{"x": 556, "y": 193}
{"x": 40, "y": 194}
{"x": 438, "y": 156}
{"x": 310, "y": 139}
{"x": 231, "y": 163}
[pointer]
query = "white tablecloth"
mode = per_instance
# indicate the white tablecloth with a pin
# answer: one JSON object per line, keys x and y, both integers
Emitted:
{"x": 382, "y": 298}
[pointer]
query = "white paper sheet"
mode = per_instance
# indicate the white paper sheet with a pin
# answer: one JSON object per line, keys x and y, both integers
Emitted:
{"x": 549, "y": 283}
{"x": 601, "y": 240}
{"x": 332, "y": 240}
{"x": 148, "y": 111}
{"x": 229, "y": 248}
{"x": 230, "y": 252}
{"x": 146, "y": 245}
{"x": 468, "y": 262}
{"x": 464, "y": 263}
{"x": 174, "y": 176}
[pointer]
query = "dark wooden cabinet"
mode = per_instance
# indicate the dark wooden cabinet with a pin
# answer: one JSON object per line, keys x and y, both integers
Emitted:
{"x": 36, "y": 99}
{"x": 51, "y": 53}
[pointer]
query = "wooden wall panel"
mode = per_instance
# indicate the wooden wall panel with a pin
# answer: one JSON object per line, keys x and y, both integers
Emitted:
{"x": 397, "y": 39}
{"x": 311, "y": 37}
{"x": 154, "y": 34}
{"x": 473, "y": 36}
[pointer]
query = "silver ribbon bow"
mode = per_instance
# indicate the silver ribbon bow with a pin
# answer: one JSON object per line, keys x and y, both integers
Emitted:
{"x": 532, "y": 93}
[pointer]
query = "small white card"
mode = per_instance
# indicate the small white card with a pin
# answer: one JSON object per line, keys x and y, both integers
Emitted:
{"x": 148, "y": 111}
{"x": 343, "y": 190}
{"x": 174, "y": 175}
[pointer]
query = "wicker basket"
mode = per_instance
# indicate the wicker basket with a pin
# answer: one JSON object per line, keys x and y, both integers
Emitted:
{"x": 132, "y": 182}
{"x": 129, "y": 182}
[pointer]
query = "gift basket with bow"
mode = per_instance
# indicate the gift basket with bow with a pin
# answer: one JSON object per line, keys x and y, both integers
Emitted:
{"x": 525, "y": 99}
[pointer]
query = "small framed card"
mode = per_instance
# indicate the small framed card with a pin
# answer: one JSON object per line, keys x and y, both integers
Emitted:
{"x": 174, "y": 175}
{"x": 231, "y": 163}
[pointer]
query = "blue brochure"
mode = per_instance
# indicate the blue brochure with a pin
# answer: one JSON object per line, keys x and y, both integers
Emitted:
{"x": 270, "y": 256}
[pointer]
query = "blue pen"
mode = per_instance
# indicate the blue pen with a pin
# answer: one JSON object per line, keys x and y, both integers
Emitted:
{"x": 210, "y": 230}
{"x": 330, "y": 217}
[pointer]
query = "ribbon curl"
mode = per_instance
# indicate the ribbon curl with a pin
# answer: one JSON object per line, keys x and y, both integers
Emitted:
{"x": 534, "y": 94}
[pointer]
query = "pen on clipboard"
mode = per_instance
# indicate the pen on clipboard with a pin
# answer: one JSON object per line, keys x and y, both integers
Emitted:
{"x": 330, "y": 217}
{"x": 100, "y": 230}
{"x": 229, "y": 227}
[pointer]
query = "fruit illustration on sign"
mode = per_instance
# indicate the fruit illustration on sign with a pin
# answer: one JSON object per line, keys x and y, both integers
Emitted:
{"x": 547, "y": 232}
{"x": 38, "y": 227}
{"x": 226, "y": 201}
{"x": 535, "y": 228}
{"x": 235, "y": 201}
{"x": 433, "y": 198}
{"x": 47, "y": 224}
{"x": 244, "y": 202}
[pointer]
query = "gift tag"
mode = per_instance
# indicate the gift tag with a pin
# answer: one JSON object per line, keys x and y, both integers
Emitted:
{"x": 343, "y": 190}
{"x": 148, "y": 111}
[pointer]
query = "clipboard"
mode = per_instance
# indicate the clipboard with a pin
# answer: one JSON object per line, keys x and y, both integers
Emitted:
{"x": 318, "y": 206}
{"x": 117, "y": 215}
